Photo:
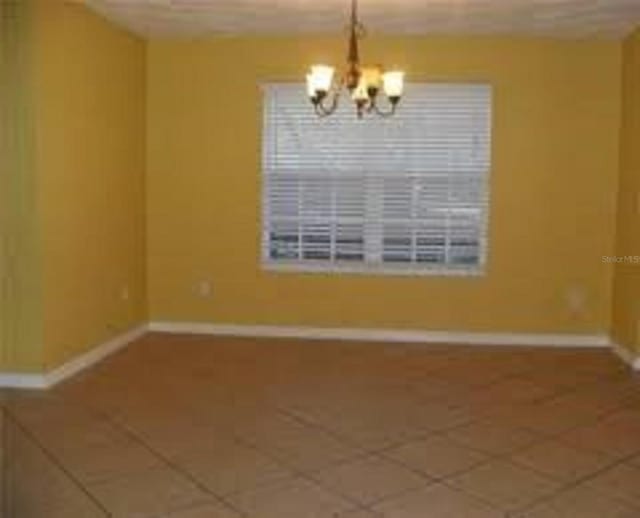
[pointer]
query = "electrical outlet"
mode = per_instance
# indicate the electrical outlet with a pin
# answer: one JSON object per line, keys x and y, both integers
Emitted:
{"x": 204, "y": 289}
{"x": 576, "y": 299}
{"x": 125, "y": 294}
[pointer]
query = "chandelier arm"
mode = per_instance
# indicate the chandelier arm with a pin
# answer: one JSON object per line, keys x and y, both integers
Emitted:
{"x": 323, "y": 110}
{"x": 387, "y": 113}
{"x": 362, "y": 83}
{"x": 320, "y": 112}
{"x": 372, "y": 105}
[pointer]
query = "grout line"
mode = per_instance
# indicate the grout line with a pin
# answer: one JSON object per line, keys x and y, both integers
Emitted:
{"x": 412, "y": 391}
{"x": 448, "y": 482}
{"x": 54, "y": 461}
{"x": 563, "y": 485}
{"x": 506, "y": 457}
{"x": 223, "y": 498}
{"x": 378, "y": 453}
{"x": 126, "y": 430}
{"x": 168, "y": 462}
{"x": 309, "y": 474}
{"x": 581, "y": 480}
{"x": 299, "y": 473}
{"x": 308, "y": 423}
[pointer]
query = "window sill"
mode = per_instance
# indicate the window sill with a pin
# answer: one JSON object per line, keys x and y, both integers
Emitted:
{"x": 369, "y": 269}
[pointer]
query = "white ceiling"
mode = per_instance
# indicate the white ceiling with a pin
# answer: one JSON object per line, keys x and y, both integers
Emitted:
{"x": 560, "y": 18}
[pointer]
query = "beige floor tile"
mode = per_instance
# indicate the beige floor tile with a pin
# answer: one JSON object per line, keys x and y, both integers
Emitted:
{"x": 468, "y": 375}
{"x": 438, "y": 416}
{"x": 369, "y": 479}
{"x": 78, "y": 434}
{"x": 204, "y": 511}
{"x": 35, "y": 487}
{"x": 98, "y": 464}
{"x": 268, "y": 427}
{"x": 308, "y": 450}
{"x": 505, "y": 485}
{"x": 233, "y": 468}
{"x": 607, "y": 438}
{"x": 149, "y": 493}
{"x": 580, "y": 502}
{"x": 601, "y": 399}
{"x": 358, "y": 513}
{"x": 439, "y": 410}
{"x": 47, "y": 492}
{"x": 441, "y": 391}
{"x": 437, "y": 501}
{"x": 36, "y": 409}
{"x": 626, "y": 418}
{"x": 620, "y": 481}
{"x": 374, "y": 434}
{"x": 560, "y": 461}
{"x": 553, "y": 417}
{"x": 493, "y": 438}
{"x": 557, "y": 379}
{"x": 436, "y": 456}
{"x": 299, "y": 498}
{"x": 634, "y": 461}
{"x": 78, "y": 506}
{"x": 512, "y": 390}
{"x": 179, "y": 437}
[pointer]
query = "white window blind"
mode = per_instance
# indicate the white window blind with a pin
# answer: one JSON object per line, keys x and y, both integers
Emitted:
{"x": 406, "y": 194}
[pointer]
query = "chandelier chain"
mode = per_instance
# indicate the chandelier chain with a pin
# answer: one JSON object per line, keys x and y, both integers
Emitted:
{"x": 363, "y": 82}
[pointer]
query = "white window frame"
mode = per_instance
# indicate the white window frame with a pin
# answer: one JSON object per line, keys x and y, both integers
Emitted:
{"x": 372, "y": 265}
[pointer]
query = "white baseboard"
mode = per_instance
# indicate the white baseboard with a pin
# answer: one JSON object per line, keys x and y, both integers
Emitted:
{"x": 22, "y": 381}
{"x": 385, "y": 335}
{"x": 95, "y": 355}
{"x": 631, "y": 359}
{"x": 74, "y": 366}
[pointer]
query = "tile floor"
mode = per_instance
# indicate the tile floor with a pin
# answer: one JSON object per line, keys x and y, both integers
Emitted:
{"x": 202, "y": 427}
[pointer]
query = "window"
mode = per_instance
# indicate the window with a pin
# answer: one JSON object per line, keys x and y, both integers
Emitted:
{"x": 406, "y": 194}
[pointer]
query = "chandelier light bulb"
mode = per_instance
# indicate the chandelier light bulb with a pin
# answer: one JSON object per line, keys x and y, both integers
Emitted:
{"x": 364, "y": 83}
{"x": 372, "y": 77}
{"x": 393, "y": 84}
{"x": 322, "y": 78}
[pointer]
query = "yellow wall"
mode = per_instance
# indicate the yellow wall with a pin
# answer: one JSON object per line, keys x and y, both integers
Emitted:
{"x": 626, "y": 312}
{"x": 91, "y": 164}
{"x": 554, "y": 180}
{"x": 75, "y": 207}
{"x": 20, "y": 286}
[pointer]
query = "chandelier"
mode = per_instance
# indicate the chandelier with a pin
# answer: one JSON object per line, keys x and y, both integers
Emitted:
{"x": 363, "y": 82}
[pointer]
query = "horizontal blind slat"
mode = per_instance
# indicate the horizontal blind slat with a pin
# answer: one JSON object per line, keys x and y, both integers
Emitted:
{"x": 409, "y": 189}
